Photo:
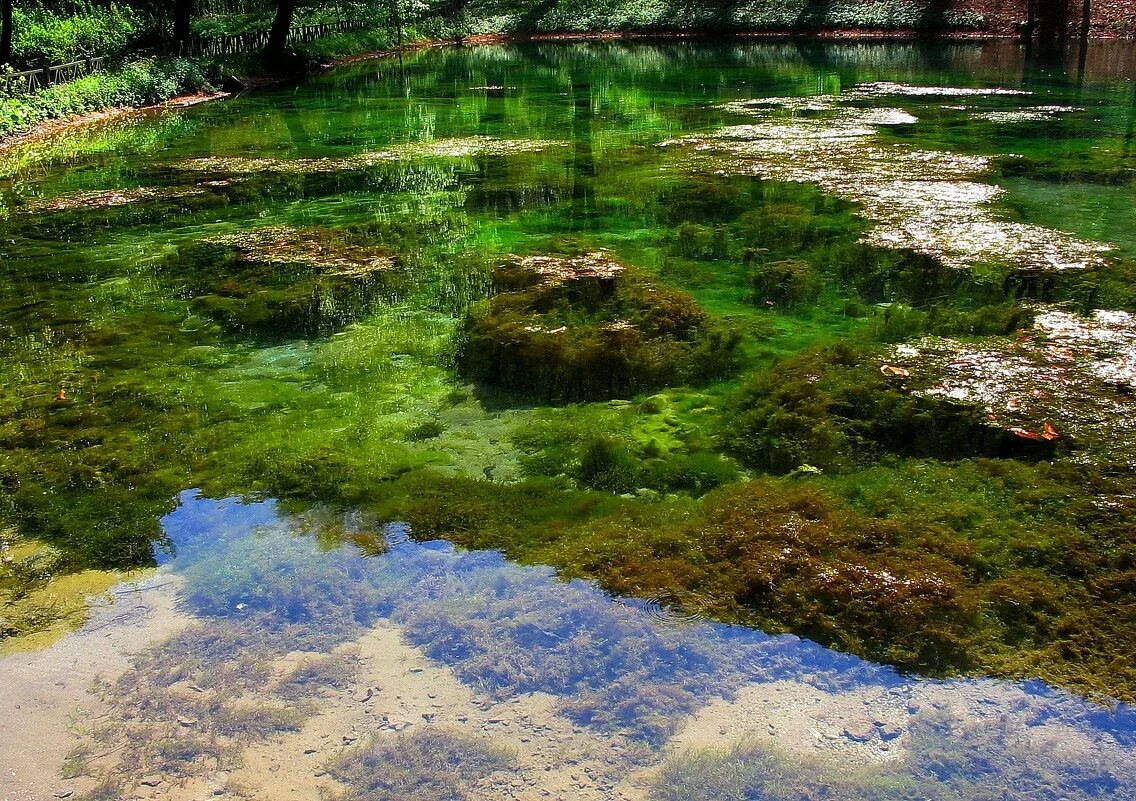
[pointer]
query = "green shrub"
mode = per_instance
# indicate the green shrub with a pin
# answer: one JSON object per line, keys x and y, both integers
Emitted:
{"x": 42, "y": 36}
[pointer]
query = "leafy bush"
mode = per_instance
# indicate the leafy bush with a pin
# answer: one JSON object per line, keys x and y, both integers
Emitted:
{"x": 41, "y": 36}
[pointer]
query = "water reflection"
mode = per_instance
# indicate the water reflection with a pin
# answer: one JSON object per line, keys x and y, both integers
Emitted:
{"x": 288, "y": 615}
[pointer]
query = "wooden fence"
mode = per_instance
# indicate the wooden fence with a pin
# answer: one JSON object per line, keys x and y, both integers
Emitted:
{"x": 17, "y": 83}
{"x": 28, "y": 81}
{"x": 251, "y": 41}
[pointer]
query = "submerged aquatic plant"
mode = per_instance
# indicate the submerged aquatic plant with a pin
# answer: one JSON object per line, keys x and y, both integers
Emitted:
{"x": 441, "y": 148}
{"x": 1067, "y": 376}
{"x": 930, "y": 202}
{"x": 428, "y": 765}
{"x": 281, "y": 279}
{"x": 588, "y": 327}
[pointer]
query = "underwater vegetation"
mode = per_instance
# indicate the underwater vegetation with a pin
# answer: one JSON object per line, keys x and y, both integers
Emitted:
{"x": 40, "y": 597}
{"x": 431, "y": 765}
{"x": 720, "y": 376}
{"x": 189, "y": 707}
{"x": 987, "y": 564}
{"x": 283, "y": 280}
{"x": 946, "y": 761}
{"x": 626, "y": 670}
{"x": 835, "y": 409}
{"x": 588, "y": 327}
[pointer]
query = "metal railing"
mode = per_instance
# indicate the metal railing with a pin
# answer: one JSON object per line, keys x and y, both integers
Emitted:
{"x": 28, "y": 81}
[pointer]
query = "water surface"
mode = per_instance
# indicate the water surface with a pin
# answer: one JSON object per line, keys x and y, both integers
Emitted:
{"x": 245, "y": 343}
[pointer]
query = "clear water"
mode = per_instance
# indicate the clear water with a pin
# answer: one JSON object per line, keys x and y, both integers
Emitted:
{"x": 234, "y": 344}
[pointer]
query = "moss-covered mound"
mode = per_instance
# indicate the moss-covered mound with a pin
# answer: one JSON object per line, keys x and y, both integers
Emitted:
{"x": 281, "y": 280}
{"x": 842, "y": 407}
{"x": 1000, "y": 566}
{"x": 589, "y": 327}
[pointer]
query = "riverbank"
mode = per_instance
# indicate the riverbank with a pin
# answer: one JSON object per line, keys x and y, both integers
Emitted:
{"x": 55, "y": 127}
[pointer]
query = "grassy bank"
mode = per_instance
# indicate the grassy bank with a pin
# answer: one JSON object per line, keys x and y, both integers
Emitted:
{"x": 140, "y": 83}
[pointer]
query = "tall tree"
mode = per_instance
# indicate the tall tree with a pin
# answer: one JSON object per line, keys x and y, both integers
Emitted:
{"x": 183, "y": 15}
{"x": 1052, "y": 21}
{"x": 281, "y": 25}
{"x": 396, "y": 19}
{"x": 5, "y": 31}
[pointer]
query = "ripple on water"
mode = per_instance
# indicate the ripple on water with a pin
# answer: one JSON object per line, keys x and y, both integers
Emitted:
{"x": 666, "y": 610}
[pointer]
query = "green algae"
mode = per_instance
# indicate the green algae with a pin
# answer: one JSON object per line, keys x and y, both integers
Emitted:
{"x": 944, "y": 769}
{"x": 586, "y": 327}
{"x": 281, "y": 298}
{"x": 433, "y": 765}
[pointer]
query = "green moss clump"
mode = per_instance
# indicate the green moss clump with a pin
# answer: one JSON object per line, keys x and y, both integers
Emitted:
{"x": 587, "y": 328}
{"x": 834, "y": 409}
{"x": 786, "y": 283}
{"x": 284, "y": 281}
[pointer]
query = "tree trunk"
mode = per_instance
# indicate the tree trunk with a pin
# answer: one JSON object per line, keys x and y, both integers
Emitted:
{"x": 396, "y": 18}
{"x": 5, "y": 31}
{"x": 281, "y": 25}
{"x": 183, "y": 14}
{"x": 1053, "y": 22}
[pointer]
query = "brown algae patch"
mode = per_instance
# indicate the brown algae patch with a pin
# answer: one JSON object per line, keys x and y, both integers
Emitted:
{"x": 588, "y": 327}
{"x": 315, "y": 248}
{"x": 931, "y": 202}
{"x": 280, "y": 279}
{"x": 443, "y": 148}
{"x": 1068, "y": 376}
{"x": 372, "y": 718}
{"x": 108, "y": 198}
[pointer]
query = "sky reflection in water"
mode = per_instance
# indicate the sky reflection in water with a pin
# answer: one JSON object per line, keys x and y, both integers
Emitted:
{"x": 617, "y": 669}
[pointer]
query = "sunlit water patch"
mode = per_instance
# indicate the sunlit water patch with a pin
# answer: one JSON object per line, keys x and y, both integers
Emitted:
{"x": 444, "y": 148}
{"x": 1067, "y": 376}
{"x": 928, "y": 201}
